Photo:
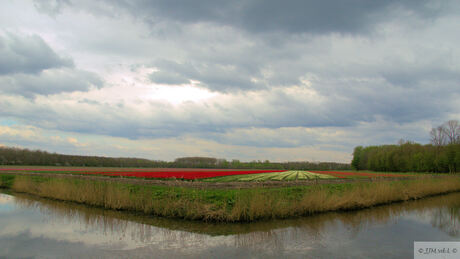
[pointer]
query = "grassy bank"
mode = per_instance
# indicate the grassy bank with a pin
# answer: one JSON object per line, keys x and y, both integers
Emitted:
{"x": 228, "y": 205}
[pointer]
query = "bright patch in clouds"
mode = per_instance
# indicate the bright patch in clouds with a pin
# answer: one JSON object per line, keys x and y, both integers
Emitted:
{"x": 130, "y": 85}
{"x": 243, "y": 80}
{"x": 179, "y": 94}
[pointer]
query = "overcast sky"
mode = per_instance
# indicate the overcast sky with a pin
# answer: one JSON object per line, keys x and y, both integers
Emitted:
{"x": 252, "y": 79}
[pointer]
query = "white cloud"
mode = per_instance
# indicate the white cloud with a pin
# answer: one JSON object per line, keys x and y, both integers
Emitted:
{"x": 27, "y": 132}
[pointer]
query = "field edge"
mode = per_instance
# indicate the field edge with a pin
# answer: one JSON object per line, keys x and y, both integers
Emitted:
{"x": 228, "y": 205}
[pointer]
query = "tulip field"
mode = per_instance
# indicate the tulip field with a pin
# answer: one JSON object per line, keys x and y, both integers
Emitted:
{"x": 207, "y": 175}
{"x": 271, "y": 176}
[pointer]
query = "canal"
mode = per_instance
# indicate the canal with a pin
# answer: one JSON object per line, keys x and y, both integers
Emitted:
{"x": 42, "y": 228}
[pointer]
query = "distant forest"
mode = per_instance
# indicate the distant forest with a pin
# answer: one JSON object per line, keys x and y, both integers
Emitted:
{"x": 17, "y": 156}
{"x": 441, "y": 156}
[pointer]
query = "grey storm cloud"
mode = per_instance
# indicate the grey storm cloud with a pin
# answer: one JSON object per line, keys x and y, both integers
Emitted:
{"x": 52, "y": 7}
{"x": 275, "y": 54}
{"x": 27, "y": 54}
{"x": 30, "y": 67}
{"x": 50, "y": 82}
{"x": 168, "y": 78}
{"x": 411, "y": 77}
{"x": 256, "y": 16}
{"x": 215, "y": 76}
{"x": 296, "y": 16}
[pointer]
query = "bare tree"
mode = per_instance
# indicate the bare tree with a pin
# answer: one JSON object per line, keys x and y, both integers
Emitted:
{"x": 438, "y": 137}
{"x": 452, "y": 131}
{"x": 447, "y": 133}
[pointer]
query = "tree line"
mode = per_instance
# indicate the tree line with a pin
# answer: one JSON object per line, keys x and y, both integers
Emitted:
{"x": 18, "y": 156}
{"x": 442, "y": 155}
{"x": 208, "y": 162}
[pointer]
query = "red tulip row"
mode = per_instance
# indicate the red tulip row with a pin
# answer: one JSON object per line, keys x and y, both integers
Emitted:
{"x": 185, "y": 174}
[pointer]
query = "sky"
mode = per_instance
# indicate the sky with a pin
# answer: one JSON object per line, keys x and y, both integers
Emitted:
{"x": 296, "y": 80}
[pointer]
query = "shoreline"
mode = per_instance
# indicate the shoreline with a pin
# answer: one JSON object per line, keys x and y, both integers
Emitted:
{"x": 227, "y": 204}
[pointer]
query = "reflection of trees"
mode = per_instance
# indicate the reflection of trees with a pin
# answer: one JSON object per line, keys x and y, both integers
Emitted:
{"x": 270, "y": 240}
{"x": 270, "y": 235}
{"x": 447, "y": 219}
{"x": 91, "y": 219}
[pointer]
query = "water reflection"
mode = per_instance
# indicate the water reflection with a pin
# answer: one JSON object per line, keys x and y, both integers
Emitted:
{"x": 447, "y": 220}
{"x": 106, "y": 233}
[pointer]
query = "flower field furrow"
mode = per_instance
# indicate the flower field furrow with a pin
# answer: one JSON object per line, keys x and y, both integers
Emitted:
{"x": 351, "y": 174}
{"x": 272, "y": 176}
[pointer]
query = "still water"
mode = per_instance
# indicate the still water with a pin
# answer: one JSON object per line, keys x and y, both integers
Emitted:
{"x": 40, "y": 228}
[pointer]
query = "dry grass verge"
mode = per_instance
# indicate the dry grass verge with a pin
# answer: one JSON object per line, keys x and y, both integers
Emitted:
{"x": 230, "y": 205}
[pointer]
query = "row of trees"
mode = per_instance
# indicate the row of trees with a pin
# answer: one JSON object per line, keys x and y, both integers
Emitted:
{"x": 408, "y": 157}
{"x": 442, "y": 155}
{"x": 17, "y": 156}
{"x": 208, "y": 162}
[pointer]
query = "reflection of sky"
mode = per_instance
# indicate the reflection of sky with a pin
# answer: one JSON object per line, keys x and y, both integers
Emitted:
{"x": 5, "y": 208}
{"x": 31, "y": 230}
{"x": 5, "y": 199}
{"x": 6, "y": 203}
